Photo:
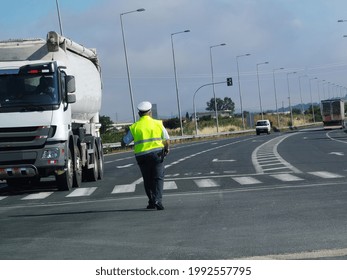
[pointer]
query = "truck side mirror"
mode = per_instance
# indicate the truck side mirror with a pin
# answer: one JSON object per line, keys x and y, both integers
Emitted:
{"x": 71, "y": 98}
{"x": 70, "y": 84}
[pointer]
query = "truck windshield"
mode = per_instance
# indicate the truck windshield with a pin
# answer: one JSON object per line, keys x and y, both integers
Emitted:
{"x": 28, "y": 91}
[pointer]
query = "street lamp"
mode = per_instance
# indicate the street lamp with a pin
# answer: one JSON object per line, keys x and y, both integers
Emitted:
{"x": 59, "y": 18}
{"x": 278, "y": 116}
{"x": 314, "y": 119}
{"x": 214, "y": 93}
{"x": 126, "y": 60}
{"x": 261, "y": 108}
{"x": 238, "y": 76}
{"x": 290, "y": 105}
{"x": 324, "y": 82}
{"x": 176, "y": 83}
{"x": 302, "y": 104}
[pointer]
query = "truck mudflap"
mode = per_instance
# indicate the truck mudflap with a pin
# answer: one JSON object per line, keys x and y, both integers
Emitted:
{"x": 20, "y": 171}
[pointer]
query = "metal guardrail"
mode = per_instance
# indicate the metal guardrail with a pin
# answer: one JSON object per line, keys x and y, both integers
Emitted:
{"x": 116, "y": 146}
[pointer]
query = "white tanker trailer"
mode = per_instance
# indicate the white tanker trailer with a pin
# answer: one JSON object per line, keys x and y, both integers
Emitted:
{"x": 50, "y": 98}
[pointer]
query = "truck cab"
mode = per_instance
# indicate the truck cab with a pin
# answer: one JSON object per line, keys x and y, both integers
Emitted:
{"x": 50, "y": 98}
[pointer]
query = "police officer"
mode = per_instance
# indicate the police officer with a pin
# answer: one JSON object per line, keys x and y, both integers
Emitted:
{"x": 151, "y": 145}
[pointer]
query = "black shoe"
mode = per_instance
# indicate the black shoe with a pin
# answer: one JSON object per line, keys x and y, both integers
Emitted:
{"x": 159, "y": 206}
{"x": 151, "y": 206}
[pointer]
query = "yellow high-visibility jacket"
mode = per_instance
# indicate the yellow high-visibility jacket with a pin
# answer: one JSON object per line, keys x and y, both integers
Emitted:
{"x": 148, "y": 135}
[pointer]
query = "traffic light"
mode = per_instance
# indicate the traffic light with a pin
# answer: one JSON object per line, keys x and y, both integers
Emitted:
{"x": 229, "y": 82}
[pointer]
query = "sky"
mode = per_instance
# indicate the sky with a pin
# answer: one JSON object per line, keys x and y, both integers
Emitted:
{"x": 301, "y": 36}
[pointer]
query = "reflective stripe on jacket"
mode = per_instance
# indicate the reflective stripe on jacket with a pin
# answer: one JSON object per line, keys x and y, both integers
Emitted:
{"x": 148, "y": 135}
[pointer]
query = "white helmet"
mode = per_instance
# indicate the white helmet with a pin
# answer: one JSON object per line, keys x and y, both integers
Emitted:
{"x": 144, "y": 106}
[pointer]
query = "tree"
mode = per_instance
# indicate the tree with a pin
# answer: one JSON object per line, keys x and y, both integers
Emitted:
{"x": 106, "y": 123}
{"x": 222, "y": 105}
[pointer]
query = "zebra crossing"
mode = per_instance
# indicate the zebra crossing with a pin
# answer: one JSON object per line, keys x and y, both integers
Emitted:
{"x": 173, "y": 183}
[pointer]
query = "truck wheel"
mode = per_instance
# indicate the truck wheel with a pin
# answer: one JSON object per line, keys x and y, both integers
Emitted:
{"x": 101, "y": 163}
{"x": 77, "y": 175}
{"x": 65, "y": 180}
{"x": 93, "y": 173}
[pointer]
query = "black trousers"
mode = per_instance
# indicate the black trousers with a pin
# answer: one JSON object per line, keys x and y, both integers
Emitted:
{"x": 152, "y": 170}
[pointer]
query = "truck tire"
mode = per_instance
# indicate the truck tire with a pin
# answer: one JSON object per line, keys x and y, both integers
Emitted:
{"x": 77, "y": 175}
{"x": 100, "y": 163}
{"x": 65, "y": 180}
{"x": 93, "y": 173}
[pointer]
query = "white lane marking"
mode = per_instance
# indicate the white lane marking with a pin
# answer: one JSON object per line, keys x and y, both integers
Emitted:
{"x": 287, "y": 177}
{"x": 326, "y": 175}
{"x": 2, "y": 197}
{"x": 125, "y": 166}
{"x": 120, "y": 159}
{"x": 275, "y": 168}
{"x": 40, "y": 195}
{"x": 327, "y": 253}
{"x": 222, "y": 160}
{"x": 331, "y": 138}
{"x": 172, "y": 175}
{"x": 82, "y": 192}
{"x": 170, "y": 185}
{"x": 124, "y": 188}
{"x": 206, "y": 183}
{"x": 268, "y": 150}
{"x": 337, "y": 153}
{"x": 246, "y": 180}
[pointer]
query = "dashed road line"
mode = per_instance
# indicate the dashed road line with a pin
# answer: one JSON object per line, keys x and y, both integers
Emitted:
{"x": 124, "y": 188}
{"x": 287, "y": 177}
{"x": 326, "y": 175}
{"x": 200, "y": 182}
{"x": 82, "y": 192}
{"x": 40, "y": 195}
{"x": 206, "y": 183}
{"x": 170, "y": 185}
{"x": 246, "y": 180}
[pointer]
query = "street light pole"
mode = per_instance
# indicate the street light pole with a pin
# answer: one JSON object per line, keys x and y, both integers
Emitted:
{"x": 176, "y": 83}
{"x": 261, "y": 107}
{"x": 126, "y": 61}
{"x": 314, "y": 119}
{"x": 194, "y": 107}
{"x": 278, "y": 116}
{"x": 290, "y": 105}
{"x": 59, "y": 19}
{"x": 214, "y": 93}
{"x": 238, "y": 76}
{"x": 302, "y": 104}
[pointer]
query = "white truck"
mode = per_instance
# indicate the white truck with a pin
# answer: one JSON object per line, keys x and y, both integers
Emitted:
{"x": 50, "y": 98}
{"x": 333, "y": 113}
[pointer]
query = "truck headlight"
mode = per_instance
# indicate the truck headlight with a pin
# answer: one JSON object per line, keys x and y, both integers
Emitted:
{"x": 51, "y": 153}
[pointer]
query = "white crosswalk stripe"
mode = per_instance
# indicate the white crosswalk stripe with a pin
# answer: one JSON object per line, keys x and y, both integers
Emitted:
{"x": 170, "y": 185}
{"x": 40, "y": 195}
{"x": 326, "y": 175}
{"x": 246, "y": 180}
{"x": 206, "y": 183}
{"x": 124, "y": 188}
{"x": 82, "y": 192}
{"x": 287, "y": 177}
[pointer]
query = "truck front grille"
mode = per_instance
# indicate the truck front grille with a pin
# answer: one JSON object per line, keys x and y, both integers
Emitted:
{"x": 23, "y": 137}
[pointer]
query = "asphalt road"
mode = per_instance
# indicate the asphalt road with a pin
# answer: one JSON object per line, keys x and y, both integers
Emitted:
{"x": 278, "y": 196}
